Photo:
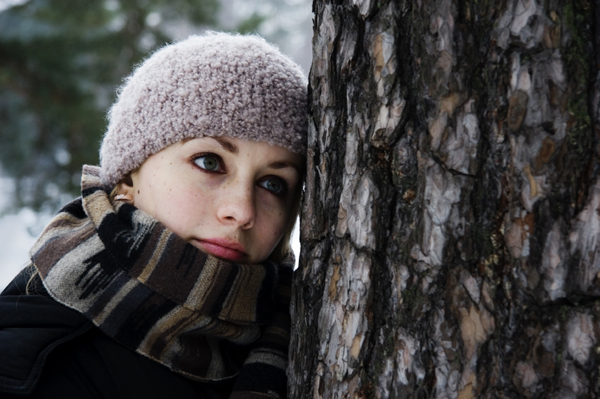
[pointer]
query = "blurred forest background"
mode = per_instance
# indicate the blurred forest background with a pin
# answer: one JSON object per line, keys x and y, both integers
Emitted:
{"x": 61, "y": 62}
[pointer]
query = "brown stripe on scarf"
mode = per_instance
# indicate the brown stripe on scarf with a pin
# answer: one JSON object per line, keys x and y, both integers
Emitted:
{"x": 61, "y": 240}
{"x": 236, "y": 333}
{"x": 110, "y": 298}
{"x": 96, "y": 206}
{"x": 157, "y": 254}
{"x": 237, "y": 307}
{"x": 176, "y": 275}
{"x": 268, "y": 356}
{"x": 213, "y": 280}
{"x": 132, "y": 318}
{"x": 276, "y": 335}
{"x": 200, "y": 355}
{"x": 85, "y": 282}
{"x": 147, "y": 261}
{"x": 164, "y": 333}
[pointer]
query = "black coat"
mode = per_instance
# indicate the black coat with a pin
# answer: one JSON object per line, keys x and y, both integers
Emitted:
{"x": 50, "y": 351}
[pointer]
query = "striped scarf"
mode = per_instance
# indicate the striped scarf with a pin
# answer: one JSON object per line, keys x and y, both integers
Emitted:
{"x": 153, "y": 292}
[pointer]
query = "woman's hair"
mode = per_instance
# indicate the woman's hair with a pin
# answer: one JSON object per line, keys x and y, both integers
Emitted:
{"x": 34, "y": 283}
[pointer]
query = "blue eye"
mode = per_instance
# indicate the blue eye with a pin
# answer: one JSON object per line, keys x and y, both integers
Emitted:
{"x": 276, "y": 186}
{"x": 209, "y": 162}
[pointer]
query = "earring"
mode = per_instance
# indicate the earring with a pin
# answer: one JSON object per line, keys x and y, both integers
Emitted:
{"x": 123, "y": 197}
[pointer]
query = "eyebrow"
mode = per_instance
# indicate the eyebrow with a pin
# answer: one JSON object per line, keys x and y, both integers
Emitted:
{"x": 229, "y": 146}
{"x": 282, "y": 165}
{"x": 226, "y": 145}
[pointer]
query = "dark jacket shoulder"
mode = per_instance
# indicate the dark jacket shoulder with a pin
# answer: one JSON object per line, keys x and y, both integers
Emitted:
{"x": 31, "y": 326}
{"x": 48, "y": 350}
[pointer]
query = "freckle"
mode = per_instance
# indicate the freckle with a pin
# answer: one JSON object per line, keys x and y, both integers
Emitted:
{"x": 138, "y": 191}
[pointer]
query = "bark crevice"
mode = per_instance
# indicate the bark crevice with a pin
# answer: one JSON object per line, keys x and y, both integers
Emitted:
{"x": 452, "y": 239}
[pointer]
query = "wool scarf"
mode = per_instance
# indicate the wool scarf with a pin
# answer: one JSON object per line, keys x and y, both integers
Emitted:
{"x": 155, "y": 293}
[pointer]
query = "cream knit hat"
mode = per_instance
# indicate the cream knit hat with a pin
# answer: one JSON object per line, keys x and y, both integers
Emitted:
{"x": 214, "y": 85}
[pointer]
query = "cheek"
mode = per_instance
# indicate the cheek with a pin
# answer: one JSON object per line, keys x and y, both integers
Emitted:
{"x": 188, "y": 204}
{"x": 275, "y": 222}
{"x": 181, "y": 209}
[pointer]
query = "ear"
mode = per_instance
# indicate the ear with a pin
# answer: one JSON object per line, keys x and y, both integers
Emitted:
{"x": 124, "y": 190}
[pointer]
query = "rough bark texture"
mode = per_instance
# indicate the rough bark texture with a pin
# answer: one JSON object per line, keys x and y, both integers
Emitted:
{"x": 451, "y": 220}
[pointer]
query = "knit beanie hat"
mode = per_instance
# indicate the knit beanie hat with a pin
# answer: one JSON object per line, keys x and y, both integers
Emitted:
{"x": 213, "y": 85}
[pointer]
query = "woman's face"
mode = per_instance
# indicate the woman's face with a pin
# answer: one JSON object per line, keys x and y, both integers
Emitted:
{"x": 229, "y": 197}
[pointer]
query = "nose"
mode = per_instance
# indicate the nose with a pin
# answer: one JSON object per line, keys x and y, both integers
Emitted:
{"x": 237, "y": 206}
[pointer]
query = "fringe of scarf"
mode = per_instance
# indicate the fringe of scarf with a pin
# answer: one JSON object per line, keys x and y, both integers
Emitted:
{"x": 158, "y": 295}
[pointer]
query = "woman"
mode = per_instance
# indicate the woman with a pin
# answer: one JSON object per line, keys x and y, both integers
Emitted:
{"x": 170, "y": 275}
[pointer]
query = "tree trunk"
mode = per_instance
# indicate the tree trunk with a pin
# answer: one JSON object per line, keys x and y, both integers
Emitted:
{"x": 451, "y": 220}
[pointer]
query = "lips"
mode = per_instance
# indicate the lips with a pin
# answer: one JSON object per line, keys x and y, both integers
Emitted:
{"x": 221, "y": 248}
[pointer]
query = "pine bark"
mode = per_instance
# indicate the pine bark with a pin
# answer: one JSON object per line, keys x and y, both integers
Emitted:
{"x": 450, "y": 225}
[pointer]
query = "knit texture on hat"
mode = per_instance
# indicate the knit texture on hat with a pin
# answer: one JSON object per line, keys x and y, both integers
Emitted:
{"x": 213, "y": 85}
